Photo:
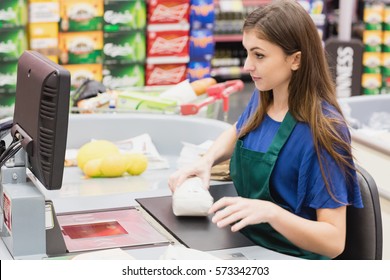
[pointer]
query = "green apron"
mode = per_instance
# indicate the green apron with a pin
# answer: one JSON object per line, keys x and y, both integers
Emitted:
{"x": 251, "y": 172}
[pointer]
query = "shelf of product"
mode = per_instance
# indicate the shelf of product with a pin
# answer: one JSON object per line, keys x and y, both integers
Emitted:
{"x": 128, "y": 43}
{"x": 376, "y": 55}
{"x": 229, "y": 16}
{"x": 227, "y": 38}
{"x": 13, "y": 41}
{"x": 229, "y": 56}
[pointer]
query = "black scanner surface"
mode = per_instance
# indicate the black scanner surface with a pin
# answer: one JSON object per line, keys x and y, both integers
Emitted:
{"x": 196, "y": 232}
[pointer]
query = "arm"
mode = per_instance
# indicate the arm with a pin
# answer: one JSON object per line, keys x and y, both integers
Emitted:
{"x": 326, "y": 236}
{"x": 221, "y": 150}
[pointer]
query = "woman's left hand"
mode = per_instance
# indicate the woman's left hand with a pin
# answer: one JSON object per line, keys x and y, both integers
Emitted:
{"x": 240, "y": 212}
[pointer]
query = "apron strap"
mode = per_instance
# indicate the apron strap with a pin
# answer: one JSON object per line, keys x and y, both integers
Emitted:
{"x": 282, "y": 135}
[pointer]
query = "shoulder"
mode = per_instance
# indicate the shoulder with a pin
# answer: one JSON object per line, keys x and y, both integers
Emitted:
{"x": 249, "y": 110}
{"x": 330, "y": 112}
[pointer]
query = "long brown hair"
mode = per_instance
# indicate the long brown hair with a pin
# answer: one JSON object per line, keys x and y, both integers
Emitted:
{"x": 286, "y": 24}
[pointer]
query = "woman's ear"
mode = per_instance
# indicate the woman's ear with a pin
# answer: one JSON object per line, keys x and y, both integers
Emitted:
{"x": 296, "y": 61}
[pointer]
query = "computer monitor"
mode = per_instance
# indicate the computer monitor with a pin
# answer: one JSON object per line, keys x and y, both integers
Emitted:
{"x": 41, "y": 115}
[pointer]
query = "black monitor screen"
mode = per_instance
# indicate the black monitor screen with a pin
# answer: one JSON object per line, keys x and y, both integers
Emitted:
{"x": 41, "y": 116}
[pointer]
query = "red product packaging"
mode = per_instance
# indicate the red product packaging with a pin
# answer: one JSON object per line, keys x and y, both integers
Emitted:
{"x": 165, "y": 74}
{"x": 167, "y": 45}
{"x": 168, "y": 11}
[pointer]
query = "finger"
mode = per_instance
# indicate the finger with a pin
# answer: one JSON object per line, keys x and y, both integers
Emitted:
{"x": 221, "y": 203}
{"x": 182, "y": 177}
{"x": 206, "y": 182}
{"x": 176, "y": 179}
{"x": 229, "y": 219}
{"x": 240, "y": 225}
{"x": 225, "y": 213}
{"x": 172, "y": 182}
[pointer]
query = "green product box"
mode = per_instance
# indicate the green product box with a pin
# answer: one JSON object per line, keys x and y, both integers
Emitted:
{"x": 81, "y": 72}
{"x": 386, "y": 71}
{"x": 81, "y": 15}
{"x": 374, "y": 91}
{"x": 373, "y": 26}
{"x": 13, "y": 13}
{"x": 373, "y": 15}
{"x": 13, "y": 42}
{"x": 372, "y": 70}
{"x": 386, "y": 42}
{"x": 371, "y": 83}
{"x": 124, "y": 15}
{"x": 8, "y": 71}
{"x": 6, "y": 100}
{"x": 81, "y": 47}
{"x": 123, "y": 76}
{"x": 124, "y": 47}
{"x": 386, "y": 18}
{"x": 372, "y": 40}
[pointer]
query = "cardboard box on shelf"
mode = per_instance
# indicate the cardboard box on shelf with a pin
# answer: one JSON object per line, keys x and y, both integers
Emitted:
{"x": 202, "y": 45}
{"x": 13, "y": 42}
{"x": 81, "y": 72}
{"x": 167, "y": 44}
{"x": 124, "y": 75}
{"x": 202, "y": 14}
{"x": 43, "y": 37}
{"x": 81, "y": 47}
{"x": 198, "y": 70}
{"x": 7, "y": 101}
{"x": 124, "y": 15}
{"x": 124, "y": 47}
{"x": 165, "y": 74}
{"x": 43, "y": 11}
{"x": 168, "y": 11}
{"x": 8, "y": 71}
{"x": 13, "y": 13}
{"x": 81, "y": 15}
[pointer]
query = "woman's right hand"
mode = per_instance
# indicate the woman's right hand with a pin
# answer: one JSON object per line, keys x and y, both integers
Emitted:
{"x": 200, "y": 168}
{"x": 221, "y": 150}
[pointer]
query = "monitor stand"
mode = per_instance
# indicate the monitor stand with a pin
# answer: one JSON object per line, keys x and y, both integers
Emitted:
{"x": 28, "y": 223}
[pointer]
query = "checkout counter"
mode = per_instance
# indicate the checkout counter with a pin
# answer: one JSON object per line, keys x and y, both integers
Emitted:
{"x": 82, "y": 195}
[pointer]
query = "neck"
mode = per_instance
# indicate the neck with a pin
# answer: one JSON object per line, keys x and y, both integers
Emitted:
{"x": 279, "y": 107}
{"x": 277, "y": 114}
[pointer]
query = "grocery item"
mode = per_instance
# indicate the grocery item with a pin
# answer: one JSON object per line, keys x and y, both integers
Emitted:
{"x": 95, "y": 149}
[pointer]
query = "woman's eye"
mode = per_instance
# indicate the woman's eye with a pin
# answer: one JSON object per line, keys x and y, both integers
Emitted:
{"x": 259, "y": 55}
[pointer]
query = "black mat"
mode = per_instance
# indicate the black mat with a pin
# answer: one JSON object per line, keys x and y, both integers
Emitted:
{"x": 196, "y": 232}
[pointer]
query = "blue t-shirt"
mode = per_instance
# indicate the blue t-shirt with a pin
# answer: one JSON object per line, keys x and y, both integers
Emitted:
{"x": 296, "y": 182}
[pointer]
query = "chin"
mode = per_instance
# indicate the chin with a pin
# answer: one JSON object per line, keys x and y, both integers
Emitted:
{"x": 261, "y": 88}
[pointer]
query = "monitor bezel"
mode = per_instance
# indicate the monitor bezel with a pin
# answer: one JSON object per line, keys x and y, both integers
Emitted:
{"x": 41, "y": 116}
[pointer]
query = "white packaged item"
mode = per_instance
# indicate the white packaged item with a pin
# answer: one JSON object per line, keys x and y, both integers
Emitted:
{"x": 191, "y": 199}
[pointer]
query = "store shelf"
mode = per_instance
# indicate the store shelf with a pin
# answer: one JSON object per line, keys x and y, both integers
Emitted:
{"x": 248, "y": 2}
{"x": 232, "y": 72}
{"x": 228, "y": 37}
{"x": 230, "y": 15}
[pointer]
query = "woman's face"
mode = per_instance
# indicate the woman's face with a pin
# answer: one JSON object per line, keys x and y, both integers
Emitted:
{"x": 269, "y": 67}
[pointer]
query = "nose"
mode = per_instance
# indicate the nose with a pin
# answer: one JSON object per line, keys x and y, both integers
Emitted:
{"x": 248, "y": 66}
